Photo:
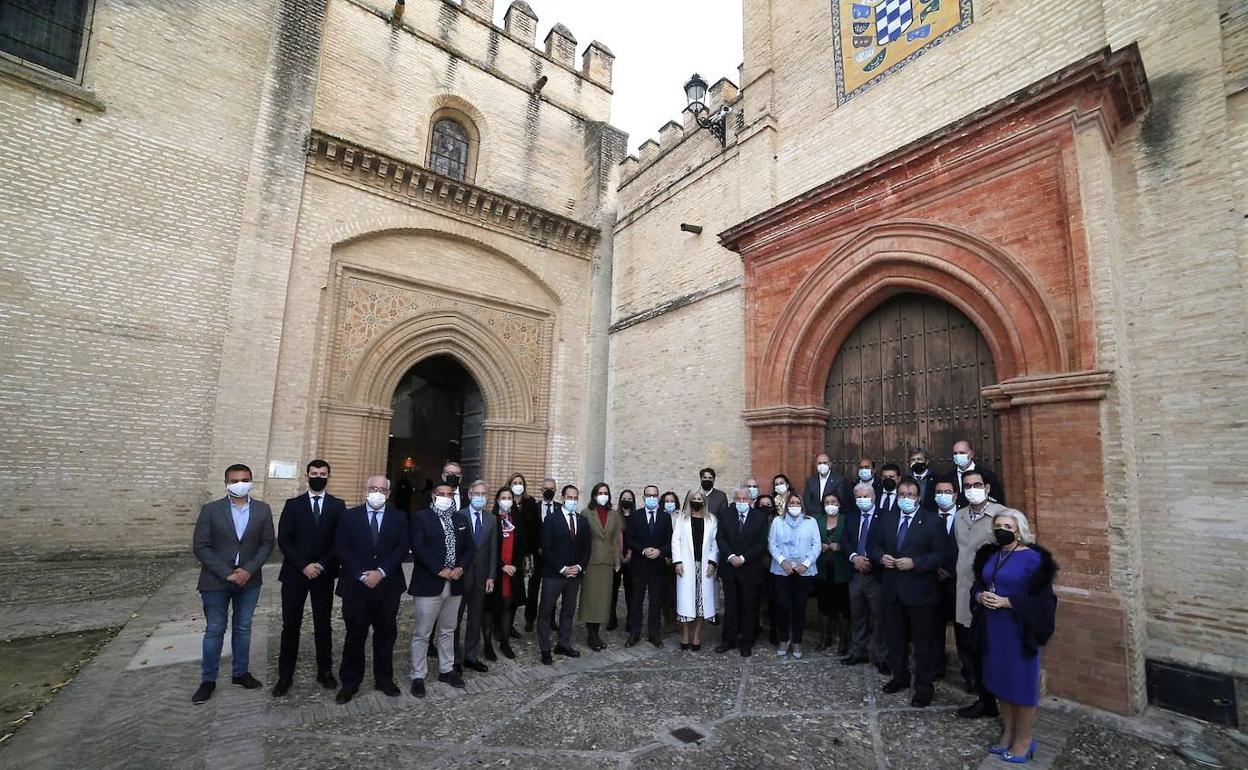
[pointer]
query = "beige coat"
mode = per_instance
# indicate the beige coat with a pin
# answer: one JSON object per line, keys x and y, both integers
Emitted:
{"x": 971, "y": 535}
{"x": 604, "y": 560}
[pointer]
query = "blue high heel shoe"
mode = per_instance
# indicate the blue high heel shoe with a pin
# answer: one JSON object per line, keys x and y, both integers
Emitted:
{"x": 1014, "y": 759}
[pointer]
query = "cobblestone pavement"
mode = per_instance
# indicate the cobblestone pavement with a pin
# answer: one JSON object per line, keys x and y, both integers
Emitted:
{"x": 611, "y": 709}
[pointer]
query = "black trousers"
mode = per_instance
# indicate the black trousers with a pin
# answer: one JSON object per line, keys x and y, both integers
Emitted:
{"x": 623, "y": 577}
{"x": 647, "y": 576}
{"x": 534, "y": 590}
{"x": 554, "y": 588}
{"x": 379, "y": 613}
{"x": 972, "y": 661}
{"x": 792, "y": 594}
{"x": 908, "y": 626}
{"x": 945, "y": 616}
{"x": 742, "y": 598}
{"x": 294, "y": 596}
{"x": 832, "y": 597}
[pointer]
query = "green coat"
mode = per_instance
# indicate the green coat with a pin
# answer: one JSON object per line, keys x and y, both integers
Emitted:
{"x": 832, "y": 564}
{"x": 604, "y": 560}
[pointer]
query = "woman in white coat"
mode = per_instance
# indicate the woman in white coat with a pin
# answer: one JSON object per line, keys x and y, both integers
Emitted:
{"x": 695, "y": 558}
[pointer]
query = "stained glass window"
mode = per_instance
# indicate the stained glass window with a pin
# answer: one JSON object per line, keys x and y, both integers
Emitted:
{"x": 448, "y": 154}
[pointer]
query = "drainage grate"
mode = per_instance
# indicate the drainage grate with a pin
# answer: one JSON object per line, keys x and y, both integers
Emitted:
{"x": 687, "y": 735}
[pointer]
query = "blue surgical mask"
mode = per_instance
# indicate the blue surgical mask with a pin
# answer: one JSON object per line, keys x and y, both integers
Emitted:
{"x": 865, "y": 474}
{"x": 753, "y": 491}
{"x": 669, "y": 506}
{"x": 478, "y": 502}
{"x": 569, "y": 506}
{"x": 907, "y": 505}
{"x": 961, "y": 459}
{"x": 864, "y": 503}
{"x": 652, "y": 503}
{"x": 944, "y": 500}
{"x": 743, "y": 507}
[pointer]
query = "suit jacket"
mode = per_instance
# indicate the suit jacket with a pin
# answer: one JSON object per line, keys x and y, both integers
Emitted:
{"x": 533, "y": 525}
{"x": 429, "y": 552}
{"x": 924, "y": 543}
{"x": 639, "y": 535}
{"x": 303, "y": 540}
{"x": 716, "y": 501}
{"x": 849, "y": 539}
{"x": 484, "y": 565}
{"x": 879, "y": 502}
{"x": 813, "y": 501}
{"x": 353, "y": 544}
{"x": 560, "y": 549}
{"x": 525, "y": 515}
{"x": 927, "y": 489}
{"x": 217, "y": 545}
{"x": 748, "y": 541}
{"x": 996, "y": 488}
{"x": 951, "y": 540}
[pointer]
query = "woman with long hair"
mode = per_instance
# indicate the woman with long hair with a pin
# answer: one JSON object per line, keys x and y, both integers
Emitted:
{"x": 508, "y": 594}
{"x": 628, "y": 504}
{"x": 604, "y": 561}
{"x": 695, "y": 557}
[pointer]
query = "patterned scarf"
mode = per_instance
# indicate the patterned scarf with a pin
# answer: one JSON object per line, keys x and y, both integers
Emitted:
{"x": 448, "y": 536}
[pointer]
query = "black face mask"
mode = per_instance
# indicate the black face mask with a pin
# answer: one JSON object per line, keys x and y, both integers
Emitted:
{"x": 888, "y": 485}
{"x": 696, "y": 505}
{"x": 317, "y": 483}
{"x": 918, "y": 469}
{"x": 707, "y": 484}
{"x": 452, "y": 479}
{"x": 1004, "y": 536}
{"x": 626, "y": 504}
{"x": 548, "y": 494}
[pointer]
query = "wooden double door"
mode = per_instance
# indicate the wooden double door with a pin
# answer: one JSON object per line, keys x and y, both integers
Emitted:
{"x": 910, "y": 375}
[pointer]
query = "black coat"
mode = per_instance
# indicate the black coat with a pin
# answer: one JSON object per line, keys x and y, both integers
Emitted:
{"x": 1036, "y": 610}
{"x": 353, "y": 544}
{"x": 638, "y": 535}
{"x": 304, "y": 541}
{"x": 749, "y": 541}
{"x": 560, "y": 549}
{"x": 813, "y": 501}
{"x": 428, "y": 545}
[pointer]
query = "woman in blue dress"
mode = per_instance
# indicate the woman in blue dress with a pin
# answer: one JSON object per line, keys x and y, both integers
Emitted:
{"x": 1014, "y": 606}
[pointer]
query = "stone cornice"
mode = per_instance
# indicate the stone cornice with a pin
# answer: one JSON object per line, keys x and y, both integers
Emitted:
{"x": 1049, "y": 389}
{"x": 353, "y": 164}
{"x": 785, "y": 414}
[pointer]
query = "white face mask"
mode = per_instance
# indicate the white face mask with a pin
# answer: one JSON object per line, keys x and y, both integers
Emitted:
{"x": 976, "y": 496}
{"x": 602, "y": 500}
{"x": 823, "y": 469}
{"x": 504, "y": 505}
{"x": 781, "y": 488}
{"x": 443, "y": 503}
{"x": 239, "y": 488}
{"x": 795, "y": 511}
{"x": 517, "y": 489}
{"x": 376, "y": 500}
{"x": 831, "y": 510}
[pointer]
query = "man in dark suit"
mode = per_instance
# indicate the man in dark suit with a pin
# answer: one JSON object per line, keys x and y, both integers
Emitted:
{"x": 478, "y": 580}
{"x": 442, "y": 551}
{"x": 866, "y": 606}
{"x": 909, "y": 545}
{"x": 716, "y": 500}
{"x": 305, "y": 535}
{"x": 865, "y": 474}
{"x": 533, "y": 537}
{"x": 649, "y": 536}
{"x": 945, "y": 510}
{"x": 452, "y": 474}
{"x": 823, "y": 481}
{"x": 919, "y": 470}
{"x": 964, "y": 463}
{"x": 371, "y": 543}
{"x": 886, "y": 493}
{"x": 233, "y": 537}
{"x": 742, "y": 542}
{"x": 565, "y": 549}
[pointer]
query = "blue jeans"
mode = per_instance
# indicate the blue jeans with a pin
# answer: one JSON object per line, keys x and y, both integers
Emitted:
{"x": 216, "y": 612}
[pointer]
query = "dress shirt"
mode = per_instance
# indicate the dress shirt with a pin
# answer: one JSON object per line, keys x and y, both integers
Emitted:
{"x": 317, "y": 501}
{"x": 242, "y": 515}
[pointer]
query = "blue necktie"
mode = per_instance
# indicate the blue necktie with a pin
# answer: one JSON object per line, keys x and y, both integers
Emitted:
{"x": 901, "y": 532}
{"x": 863, "y": 534}
{"x": 476, "y": 532}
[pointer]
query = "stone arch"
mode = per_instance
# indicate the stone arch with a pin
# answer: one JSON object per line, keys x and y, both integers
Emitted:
{"x": 1016, "y": 318}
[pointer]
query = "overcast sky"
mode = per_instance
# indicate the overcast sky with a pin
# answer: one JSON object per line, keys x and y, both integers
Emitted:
{"x": 657, "y": 44}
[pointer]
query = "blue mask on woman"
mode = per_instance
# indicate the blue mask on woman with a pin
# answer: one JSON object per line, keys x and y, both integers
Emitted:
{"x": 669, "y": 506}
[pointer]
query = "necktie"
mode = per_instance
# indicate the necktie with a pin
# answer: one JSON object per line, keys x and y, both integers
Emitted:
{"x": 545, "y": 510}
{"x": 863, "y": 532}
{"x": 476, "y": 531}
{"x": 651, "y": 519}
{"x": 572, "y": 524}
{"x": 901, "y": 532}
{"x": 888, "y": 501}
{"x": 376, "y": 529}
{"x": 944, "y": 519}
{"x": 743, "y": 518}
{"x": 316, "y": 508}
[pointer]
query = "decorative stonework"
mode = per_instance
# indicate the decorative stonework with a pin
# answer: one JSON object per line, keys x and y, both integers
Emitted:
{"x": 370, "y": 308}
{"x": 353, "y": 164}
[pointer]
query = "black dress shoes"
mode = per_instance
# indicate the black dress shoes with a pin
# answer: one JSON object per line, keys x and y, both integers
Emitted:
{"x": 746, "y": 651}
{"x": 282, "y": 687}
{"x": 389, "y": 688}
{"x": 344, "y": 696}
{"x": 513, "y": 633}
{"x": 505, "y": 649}
{"x": 632, "y": 641}
{"x": 418, "y": 688}
{"x": 247, "y": 681}
{"x": 724, "y": 647}
{"x": 203, "y": 693}
{"x": 883, "y": 669}
{"x": 452, "y": 678}
{"x": 613, "y": 623}
{"x": 853, "y": 660}
{"x": 567, "y": 652}
{"x": 921, "y": 700}
{"x": 528, "y": 627}
{"x": 476, "y": 665}
{"x": 547, "y": 660}
{"x": 894, "y": 685}
{"x": 327, "y": 680}
{"x": 488, "y": 652}
{"x": 656, "y": 641}
{"x": 978, "y": 710}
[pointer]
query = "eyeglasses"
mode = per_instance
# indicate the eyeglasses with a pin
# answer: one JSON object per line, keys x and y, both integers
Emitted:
{"x": 383, "y": 490}
{"x": 975, "y": 485}
{"x": 908, "y": 495}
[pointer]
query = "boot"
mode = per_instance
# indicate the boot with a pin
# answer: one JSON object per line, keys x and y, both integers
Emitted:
{"x": 592, "y": 638}
{"x": 844, "y": 635}
{"x": 825, "y": 633}
{"x": 487, "y": 646}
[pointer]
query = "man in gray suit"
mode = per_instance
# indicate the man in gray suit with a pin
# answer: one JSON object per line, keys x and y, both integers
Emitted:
{"x": 478, "y": 578}
{"x": 233, "y": 538}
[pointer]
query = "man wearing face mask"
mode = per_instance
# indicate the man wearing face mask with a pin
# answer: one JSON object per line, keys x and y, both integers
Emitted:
{"x": 919, "y": 470}
{"x": 742, "y": 541}
{"x": 648, "y": 535}
{"x": 452, "y": 474}
{"x": 442, "y": 552}
{"x": 751, "y": 486}
{"x": 716, "y": 500}
{"x": 866, "y": 606}
{"x": 886, "y": 493}
{"x": 864, "y": 475}
{"x": 533, "y": 536}
{"x": 973, "y": 529}
{"x": 823, "y": 482}
{"x": 945, "y": 496}
{"x": 233, "y": 537}
{"x": 964, "y": 463}
{"x": 371, "y": 542}
{"x": 909, "y": 544}
{"x": 305, "y": 534}
{"x": 566, "y": 545}
{"x": 479, "y": 578}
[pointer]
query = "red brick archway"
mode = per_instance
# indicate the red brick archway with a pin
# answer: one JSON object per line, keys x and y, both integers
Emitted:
{"x": 987, "y": 215}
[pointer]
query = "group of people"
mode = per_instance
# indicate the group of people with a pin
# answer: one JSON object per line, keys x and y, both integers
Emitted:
{"x": 892, "y": 558}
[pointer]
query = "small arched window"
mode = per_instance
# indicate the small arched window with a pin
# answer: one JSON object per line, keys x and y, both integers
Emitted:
{"x": 449, "y": 149}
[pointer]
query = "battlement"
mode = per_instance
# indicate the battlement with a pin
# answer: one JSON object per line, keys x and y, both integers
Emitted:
{"x": 673, "y": 133}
